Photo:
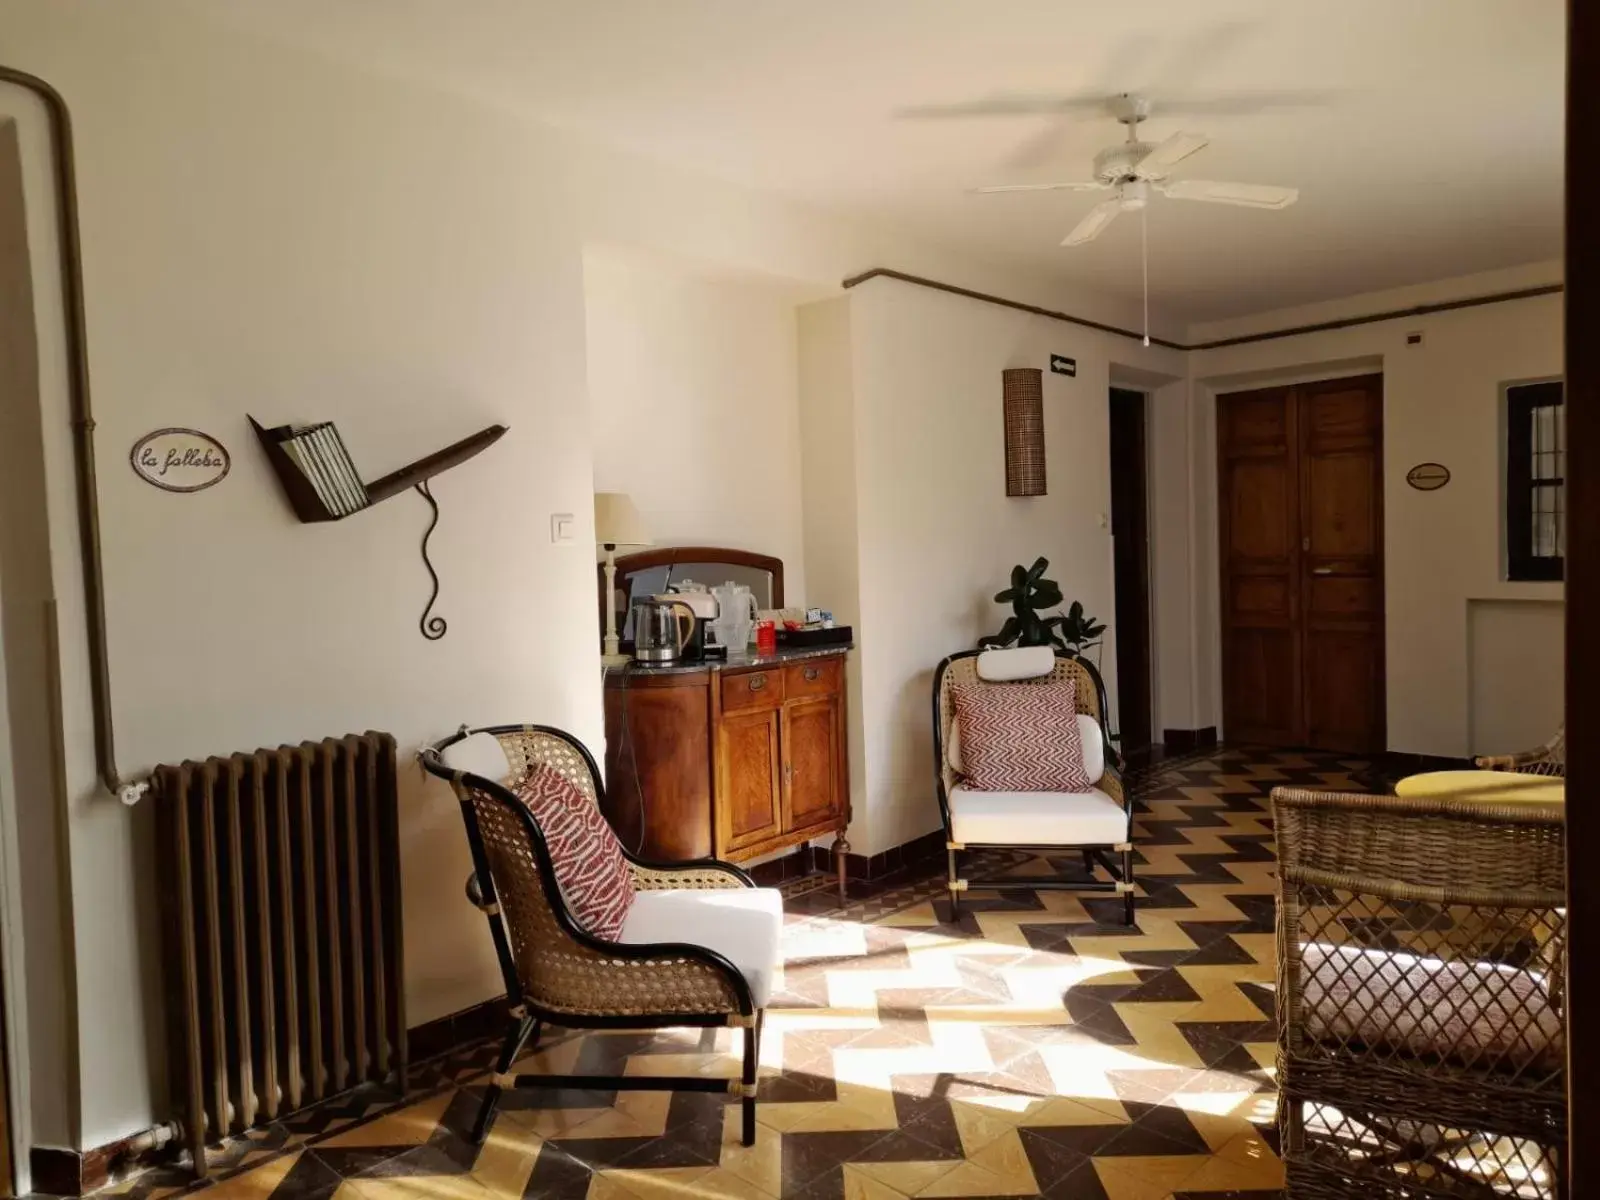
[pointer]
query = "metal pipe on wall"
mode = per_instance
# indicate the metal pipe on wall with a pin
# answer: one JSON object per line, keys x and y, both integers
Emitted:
{"x": 88, "y": 495}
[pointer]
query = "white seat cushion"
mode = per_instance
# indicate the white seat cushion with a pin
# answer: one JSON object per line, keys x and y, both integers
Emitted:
{"x": 1089, "y": 736}
{"x": 742, "y": 924}
{"x": 1089, "y": 818}
{"x": 478, "y": 754}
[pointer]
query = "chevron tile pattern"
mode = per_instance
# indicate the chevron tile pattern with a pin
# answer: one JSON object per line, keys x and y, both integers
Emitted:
{"x": 1034, "y": 1047}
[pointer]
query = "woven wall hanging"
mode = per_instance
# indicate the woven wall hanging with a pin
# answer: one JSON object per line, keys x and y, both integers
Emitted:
{"x": 1023, "y": 389}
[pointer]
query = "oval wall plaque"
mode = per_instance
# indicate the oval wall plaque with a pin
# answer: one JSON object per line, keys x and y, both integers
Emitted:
{"x": 180, "y": 460}
{"x": 1428, "y": 477}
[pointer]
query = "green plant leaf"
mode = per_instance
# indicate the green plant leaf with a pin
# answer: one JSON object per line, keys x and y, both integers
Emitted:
{"x": 1019, "y": 576}
{"x": 1005, "y": 597}
{"x": 1076, "y": 611}
{"x": 1038, "y": 568}
{"x": 1008, "y": 631}
{"x": 1046, "y": 594}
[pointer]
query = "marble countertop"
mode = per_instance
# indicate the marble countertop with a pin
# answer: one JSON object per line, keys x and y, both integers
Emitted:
{"x": 736, "y": 662}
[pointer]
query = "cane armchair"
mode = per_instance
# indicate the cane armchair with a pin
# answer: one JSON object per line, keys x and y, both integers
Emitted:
{"x": 698, "y": 948}
{"x": 1421, "y": 1003}
{"x": 1097, "y": 824}
{"x": 1547, "y": 759}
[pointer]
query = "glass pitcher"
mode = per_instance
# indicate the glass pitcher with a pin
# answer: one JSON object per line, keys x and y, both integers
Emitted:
{"x": 736, "y": 611}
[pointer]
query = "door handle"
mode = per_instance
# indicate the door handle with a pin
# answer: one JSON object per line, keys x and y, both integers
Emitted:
{"x": 1322, "y": 570}
{"x": 757, "y": 682}
{"x": 812, "y": 674}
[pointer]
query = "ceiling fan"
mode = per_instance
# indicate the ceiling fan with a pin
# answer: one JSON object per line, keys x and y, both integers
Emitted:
{"x": 1132, "y": 169}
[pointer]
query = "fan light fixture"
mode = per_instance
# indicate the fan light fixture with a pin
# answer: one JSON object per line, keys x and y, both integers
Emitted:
{"x": 1133, "y": 169}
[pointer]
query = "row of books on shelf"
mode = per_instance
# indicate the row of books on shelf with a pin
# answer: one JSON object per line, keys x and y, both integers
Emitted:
{"x": 319, "y": 452}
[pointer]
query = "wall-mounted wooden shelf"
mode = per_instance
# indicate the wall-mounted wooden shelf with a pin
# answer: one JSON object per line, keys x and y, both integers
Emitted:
{"x": 322, "y": 482}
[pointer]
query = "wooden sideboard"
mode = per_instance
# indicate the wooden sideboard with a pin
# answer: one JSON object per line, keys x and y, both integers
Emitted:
{"x": 729, "y": 760}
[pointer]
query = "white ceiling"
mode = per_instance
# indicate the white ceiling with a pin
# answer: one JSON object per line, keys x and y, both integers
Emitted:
{"x": 1431, "y": 148}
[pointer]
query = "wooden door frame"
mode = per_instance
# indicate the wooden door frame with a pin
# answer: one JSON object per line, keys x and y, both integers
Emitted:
{"x": 1151, "y": 689}
{"x": 1582, "y": 587}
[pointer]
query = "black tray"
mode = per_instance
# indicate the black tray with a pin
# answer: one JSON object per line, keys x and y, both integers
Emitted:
{"x": 837, "y": 636}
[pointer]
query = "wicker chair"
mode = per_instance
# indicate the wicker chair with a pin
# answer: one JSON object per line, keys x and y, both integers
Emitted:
{"x": 1548, "y": 759}
{"x": 1421, "y": 1013}
{"x": 695, "y": 949}
{"x": 1098, "y": 823}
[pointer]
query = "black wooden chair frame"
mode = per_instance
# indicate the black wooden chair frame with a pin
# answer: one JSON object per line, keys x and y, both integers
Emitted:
{"x": 526, "y": 1015}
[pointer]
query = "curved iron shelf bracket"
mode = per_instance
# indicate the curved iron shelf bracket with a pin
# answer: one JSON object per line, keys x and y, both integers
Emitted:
{"x": 433, "y": 628}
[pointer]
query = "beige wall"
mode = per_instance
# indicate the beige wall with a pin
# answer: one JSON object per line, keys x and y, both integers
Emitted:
{"x": 830, "y": 491}
{"x": 692, "y": 389}
{"x": 1442, "y": 550}
{"x": 36, "y": 935}
{"x": 271, "y": 232}
{"x": 264, "y": 233}
{"x": 1516, "y": 662}
{"x": 937, "y": 534}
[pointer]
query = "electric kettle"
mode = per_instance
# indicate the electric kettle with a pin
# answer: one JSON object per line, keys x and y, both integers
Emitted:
{"x": 662, "y": 627}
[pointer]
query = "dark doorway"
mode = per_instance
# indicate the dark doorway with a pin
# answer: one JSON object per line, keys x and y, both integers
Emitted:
{"x": 1300, "y": 516}
{"x": 1130, "y": 534}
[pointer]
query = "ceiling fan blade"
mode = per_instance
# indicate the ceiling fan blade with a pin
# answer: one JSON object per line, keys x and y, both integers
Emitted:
{"x": 1087, "y": 186}
{"x": 1163, "y": 104}
{"x": 1251, "y": 195}
{"x": 1238, "y": 104}
{"x": 1093, "y": 225}
{"x": 1169, "y": 153}
{"x": 1006, "y": 104}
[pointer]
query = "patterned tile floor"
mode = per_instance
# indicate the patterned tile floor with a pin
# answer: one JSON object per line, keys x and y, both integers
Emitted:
{"x": 1034, "y": 1047}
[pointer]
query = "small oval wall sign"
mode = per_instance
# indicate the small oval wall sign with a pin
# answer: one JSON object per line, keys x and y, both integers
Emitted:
{"x": 1428, "y": 477}
{"x": 180, "y": 460}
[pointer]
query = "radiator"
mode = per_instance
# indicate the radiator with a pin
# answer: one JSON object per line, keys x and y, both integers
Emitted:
{"x": 279, "y": 875}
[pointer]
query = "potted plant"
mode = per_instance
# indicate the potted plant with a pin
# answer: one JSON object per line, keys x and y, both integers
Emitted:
{"x": 1029, "y": 595}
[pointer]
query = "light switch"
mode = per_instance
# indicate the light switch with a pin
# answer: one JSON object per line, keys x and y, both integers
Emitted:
{"x": 562, "y": 527}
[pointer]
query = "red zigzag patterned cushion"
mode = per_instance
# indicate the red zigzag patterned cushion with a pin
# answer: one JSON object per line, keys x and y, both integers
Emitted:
{"x": 1020, "y": 737}
{"x": 593, "y": 876}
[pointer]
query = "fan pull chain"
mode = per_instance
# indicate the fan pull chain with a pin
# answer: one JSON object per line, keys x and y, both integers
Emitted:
{"x": 1144, "y": 265}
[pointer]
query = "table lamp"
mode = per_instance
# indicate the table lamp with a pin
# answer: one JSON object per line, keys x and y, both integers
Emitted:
{"x": 616, "y": 523}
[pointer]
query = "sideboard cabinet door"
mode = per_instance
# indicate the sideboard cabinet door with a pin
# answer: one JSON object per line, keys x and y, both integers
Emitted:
{"x": 750, "y": 767}
{"x": 812, "y": 761}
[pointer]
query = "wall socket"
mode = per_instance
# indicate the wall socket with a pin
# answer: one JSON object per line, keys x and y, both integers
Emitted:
{"x": 563, "y": 527}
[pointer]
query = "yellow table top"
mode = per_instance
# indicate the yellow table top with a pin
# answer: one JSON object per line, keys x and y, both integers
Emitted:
{"x": 1489, "y": 787}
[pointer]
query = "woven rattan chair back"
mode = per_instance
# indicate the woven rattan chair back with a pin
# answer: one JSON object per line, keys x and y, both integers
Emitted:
{"x": 1547, "y": 759}
{"x": 1088, "y": 695}
{"x": 1420, "y": 1008}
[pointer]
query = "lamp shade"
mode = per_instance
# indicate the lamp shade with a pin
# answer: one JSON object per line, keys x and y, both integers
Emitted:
{"x": 617, "y": 521}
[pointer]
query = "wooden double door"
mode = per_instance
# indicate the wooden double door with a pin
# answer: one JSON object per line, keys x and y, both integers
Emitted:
{"x": 1300, "y": 475}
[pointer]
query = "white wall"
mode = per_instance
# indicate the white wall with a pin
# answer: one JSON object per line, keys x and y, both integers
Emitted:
{"x": 37, "y": 951}
{"x": 265, "y": 233}
{"x": 692, "y": 389}
{"x": 1442, "y": 403}
{"x": 938, "y": 535}
{"x": 271, "y": 232}
{"x": 1516, "y": 662}
{"x": 830, "y": 490}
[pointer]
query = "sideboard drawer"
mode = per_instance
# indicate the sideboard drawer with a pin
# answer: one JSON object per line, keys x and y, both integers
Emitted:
{"x": 816, "y": 678}
{"x": 752, "y": 689}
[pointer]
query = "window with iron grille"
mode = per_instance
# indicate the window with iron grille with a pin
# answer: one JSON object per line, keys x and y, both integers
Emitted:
{"x": 1536, "y": 489}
